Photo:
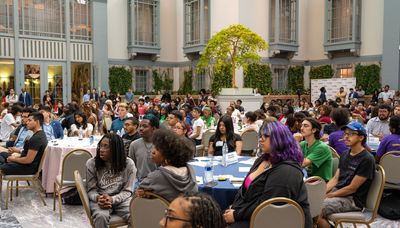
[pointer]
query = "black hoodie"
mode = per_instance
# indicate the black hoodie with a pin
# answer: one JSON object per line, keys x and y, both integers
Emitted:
{"x": 284, "y": 179}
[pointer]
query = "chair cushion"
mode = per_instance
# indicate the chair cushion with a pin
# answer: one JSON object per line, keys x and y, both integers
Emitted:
{"x": 7, "y": 177}
{"x": 117, "y": 219}
{"x": 65, "y": 183}
{"x": 354, "y": 215}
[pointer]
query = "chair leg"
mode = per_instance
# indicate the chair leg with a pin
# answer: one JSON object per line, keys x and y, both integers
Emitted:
{"x": 54, "y": 196}
{"x": 35, "y": 186}
{"x": 60, "y": 203}
{"x": 16, "y": 190}
{"x": 11, "y": 190}
{"x": 7, "y": 192}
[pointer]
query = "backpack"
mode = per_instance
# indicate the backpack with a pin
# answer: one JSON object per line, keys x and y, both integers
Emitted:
{"x": 390, "y": 204}
{"x": 71, "y": 197}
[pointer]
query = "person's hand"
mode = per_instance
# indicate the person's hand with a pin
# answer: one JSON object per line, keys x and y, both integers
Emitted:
{"x": 380, "y": 136}
{"x": 104, "y": 201}
{"x": 325, "y": 138}
{"x": 140, "y": 193}
{"x": 298, "y": 136}
{"x": 330, "y": 195}
{"x": 228, "y": 216}
{"x": 11, "y": 159}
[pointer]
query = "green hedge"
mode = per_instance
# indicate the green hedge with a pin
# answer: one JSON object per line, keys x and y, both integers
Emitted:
{"x": 221, "y": 79}
{"x": 368, "y": 77}
{"x": 161, "y": 82}
{"x": 321, "y": 72}
{"x": 258, "y": 76}
{"x": 296, "y": 78}
{"x": 186, "y": 86}
{"x": 120, "y": 79}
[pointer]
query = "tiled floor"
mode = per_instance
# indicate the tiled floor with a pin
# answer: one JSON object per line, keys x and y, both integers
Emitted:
{"x": 30, "y": 213}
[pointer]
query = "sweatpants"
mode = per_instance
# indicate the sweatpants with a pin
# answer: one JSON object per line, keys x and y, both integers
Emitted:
{"x": 101, "y": 217}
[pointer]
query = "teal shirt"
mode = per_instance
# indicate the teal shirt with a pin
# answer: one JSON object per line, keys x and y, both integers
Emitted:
{"x": 118, "y": 124}
{"x": 321, "y": 157}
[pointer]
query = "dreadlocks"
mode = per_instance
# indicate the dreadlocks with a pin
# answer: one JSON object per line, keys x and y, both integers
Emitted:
{"x": 117, "y": 150}
{"x": 203, "y": 211}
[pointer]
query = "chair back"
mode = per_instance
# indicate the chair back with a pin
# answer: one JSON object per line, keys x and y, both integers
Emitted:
{"x": 375, "y": 192}
{"x": 316, "y": 188}
{"x": 41, "y": 162}
{"x": 205, "y": 139}
{"x": 141, "y": 209}
{"x": 83, "y": 195}
{"x": 390, "y": 162}
{"x": 334, "y": 152}
{"x": 335, "y": 165}
{"x": 74, "y": 160}
{"x": 269, "y": 215}
{"x": 250, "y": 140}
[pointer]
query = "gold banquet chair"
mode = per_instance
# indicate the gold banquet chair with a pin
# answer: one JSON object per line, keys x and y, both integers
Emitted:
{"x": 33, "y": 178}
{"x": 316, "y": 191}
{"x": 369, "y": 213}
{"x": 74, "y": 160}
{"x": 153, "y": 207}
{"x": 288, "y": 214}
{"x": 390, "y": 162}
{"x": 115, "y": 220}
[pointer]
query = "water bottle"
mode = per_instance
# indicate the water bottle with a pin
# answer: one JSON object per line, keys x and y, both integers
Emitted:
{"x": 224, "y": 154}
{"x": 65, "y": 133}
{"x": 80, "y": 133}
{"x": 208, "y": 172}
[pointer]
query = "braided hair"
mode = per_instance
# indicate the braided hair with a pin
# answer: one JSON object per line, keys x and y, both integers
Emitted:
{"x": 203, "y": 211}
{"x": 118, "y": 163}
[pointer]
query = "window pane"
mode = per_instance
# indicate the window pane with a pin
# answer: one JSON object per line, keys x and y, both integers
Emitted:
{"x": 192, "y": 22}
{"x": 141, "y": 80}
{"x": 80, "y": 20}
{"x": 287, "y": 19}
{"x": 42, "y": 18}
{"x": 6, "y": 16}
{"x": 341, "y": 21}
{"x": 145, "y": 19}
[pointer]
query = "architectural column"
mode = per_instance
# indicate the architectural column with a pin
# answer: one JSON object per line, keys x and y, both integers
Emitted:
{"x": 176, "y": 82}
{"x": 100, "y": 42}
{"x": 390, "y": 74}
{"x": 306, "y": 77}
{"x": 18, "y": 69}
{"x": 239, "y": 77}
{"x": 67, "y": 91}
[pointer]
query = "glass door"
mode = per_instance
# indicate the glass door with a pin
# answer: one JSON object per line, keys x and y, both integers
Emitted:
{"x": 32, "y": 81}
{"x": 55, "y": 83}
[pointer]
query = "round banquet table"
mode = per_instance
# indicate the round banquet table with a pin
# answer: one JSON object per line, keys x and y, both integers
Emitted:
{"x": 224, "y": 191}
{"x": 57, "y": 149}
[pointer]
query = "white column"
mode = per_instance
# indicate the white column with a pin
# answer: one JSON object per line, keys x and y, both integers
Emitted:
{"x": 239, "y": 77}
{"x": 306, "y": 77}
{"x": 175, "y": 72}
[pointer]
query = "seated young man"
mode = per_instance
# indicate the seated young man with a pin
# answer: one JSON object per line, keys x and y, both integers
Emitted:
{"x": 28, "y": 162}
{"x": 348, "y": 189}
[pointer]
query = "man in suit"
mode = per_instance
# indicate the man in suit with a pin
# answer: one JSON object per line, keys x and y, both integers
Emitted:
{"x": 94, "y": 95}
{"x": 25, "y": 98}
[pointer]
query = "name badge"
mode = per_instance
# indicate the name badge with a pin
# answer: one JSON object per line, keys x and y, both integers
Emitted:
{"x": 219, "y": 143}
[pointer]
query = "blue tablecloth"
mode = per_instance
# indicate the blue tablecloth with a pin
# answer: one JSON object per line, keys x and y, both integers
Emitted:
{"x": 224, "y": 192}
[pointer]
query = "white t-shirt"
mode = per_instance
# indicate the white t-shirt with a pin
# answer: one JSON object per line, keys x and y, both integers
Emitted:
{"x": 88, "y": 128}
{"x": 198, "y": 123}
{"x": 6, "y": 127}
{"x": 385, "y": 95}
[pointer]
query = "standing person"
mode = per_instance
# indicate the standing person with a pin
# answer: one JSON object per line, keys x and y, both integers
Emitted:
{"x": 140, "y": 149}
{"x": 347, "y": 191}
{"x": 341, "y": 94}
{"x": 361, "y": 94}
{"x": 110, "y": 177}
{"x": 173, "y": 175}
{"x": 129, "y": 96}
{"x": 86, "y": 96}
{"x": 353, "y": 94}
{"x": 102, "y": 99}
{"x": 94, "y": 95}
{"x": 25, "y": 98}
{"x": 47, "y": 98}
{"x": 322, "y": 95}
{"x": 28, "y": 162}
{"x": 277, "y": 173}
{"x": 317, "y": 155}
{"x": 12, "y": 98}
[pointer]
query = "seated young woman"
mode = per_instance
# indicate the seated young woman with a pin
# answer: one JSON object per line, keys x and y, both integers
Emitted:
{"x": 81, "y": 122}
{"x": 225, "y": 133}
{"x": 173, "y": 176}
{"x": 193, "y": 209}
{"x": 110, "y": 177}
{"x": 281, "y": 158}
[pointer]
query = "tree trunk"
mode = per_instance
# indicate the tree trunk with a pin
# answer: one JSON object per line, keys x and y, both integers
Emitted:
{"x": 233, "y": 74}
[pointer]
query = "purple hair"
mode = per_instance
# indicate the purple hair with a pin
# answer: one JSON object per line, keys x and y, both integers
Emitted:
{"x": 283, "y": 145}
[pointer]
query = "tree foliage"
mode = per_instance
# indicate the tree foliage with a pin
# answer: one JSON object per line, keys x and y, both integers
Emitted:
{"x": 321, "y": 72}
{"x": 368, "y": 77}
{"x": 221, "y": 78}
{"x": 161, "y": 81}
{"x": 296, "y": 78}
{"x": 258, "y": 76}
{"x": 236, "y": 45}
{"x": 120, "y": 79}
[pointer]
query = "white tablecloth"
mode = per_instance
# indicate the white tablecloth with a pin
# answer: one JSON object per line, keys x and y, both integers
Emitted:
{"x": 57, "y": 149}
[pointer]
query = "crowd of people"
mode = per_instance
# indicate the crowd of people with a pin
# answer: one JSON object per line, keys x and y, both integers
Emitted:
{"x": 147, "y": 144}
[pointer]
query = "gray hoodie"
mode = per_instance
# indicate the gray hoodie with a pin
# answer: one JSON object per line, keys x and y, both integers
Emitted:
{"x": 169, "y": 181}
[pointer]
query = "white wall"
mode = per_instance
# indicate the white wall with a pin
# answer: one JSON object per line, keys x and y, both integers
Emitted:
{"x": 168, "y": 30}
{"x": 179, "y": 32}
{"x": 371, "y": 27}
{"x": 117, "y": 29}
{"x": 315, "y": 30}
{"x": 223, "y": 14}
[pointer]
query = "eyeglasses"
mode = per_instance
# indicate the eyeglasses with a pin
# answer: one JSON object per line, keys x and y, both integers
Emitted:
{"x": 349, "y": 134}
{"x": 178, "y": 128}
{"x": 167, "y": 217}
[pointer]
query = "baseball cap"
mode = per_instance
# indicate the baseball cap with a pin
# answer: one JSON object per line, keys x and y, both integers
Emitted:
{"x": 356, "y": 126}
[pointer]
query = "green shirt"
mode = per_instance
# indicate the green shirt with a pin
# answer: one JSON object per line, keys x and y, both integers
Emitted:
{"x": 210, "y": 121}
{"x": 321, "y": 159}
